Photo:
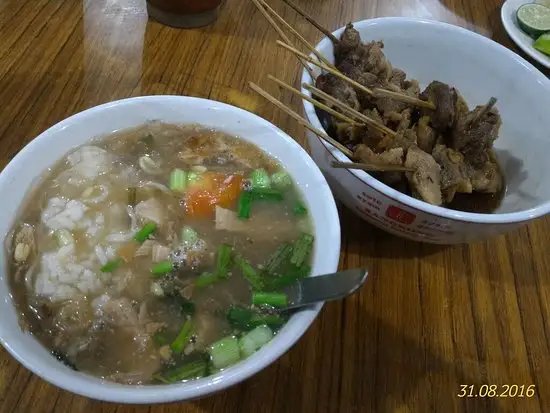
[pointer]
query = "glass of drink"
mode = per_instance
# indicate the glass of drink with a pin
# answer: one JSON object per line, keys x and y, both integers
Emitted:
{"x": 184, "y": 13}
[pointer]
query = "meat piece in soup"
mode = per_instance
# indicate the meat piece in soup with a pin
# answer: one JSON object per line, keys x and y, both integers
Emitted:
{"x": 138, "y": 257}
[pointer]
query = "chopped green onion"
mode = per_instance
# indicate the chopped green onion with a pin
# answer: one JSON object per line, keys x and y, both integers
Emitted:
{"x": 144, "y": 233}
{"x": 111, "y": 266}
{"x": 281, "y": 180}
{"x": 132, "y": 196}
{"x": 267, "y": 194}
{"x": 254, "y": 340}
{"x": 239, "y": 317}
{"x": 162, "y": 267}
{"x": 280, "y": 257}
{"x": 290, "y": 277}
{"x": 223, "y": 260}
{"x": 192, "y": 370}
{"x": 302, "y": 249}
{"x": 183, "y": 337}
{"x": 273, "y": 321}
{"x": 276, "y": 300}
{"x": 225, "y": 352}
{"x": 206, "y": 279}
{"x": 189, "y": 236}
{"x": 260, "y": 179}
{"x": 244, "y": 204}
{"x": 249, "y": 272}
{"x": 160, "y": 339}
{"x": 299, "y": 209}
{"x": 178, "y": 180}
{"x": 193, "y": 177}
{"x": 63, "y": 237}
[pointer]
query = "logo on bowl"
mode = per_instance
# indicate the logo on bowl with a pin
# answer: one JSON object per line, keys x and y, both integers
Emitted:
{"x": 399, "y": 215}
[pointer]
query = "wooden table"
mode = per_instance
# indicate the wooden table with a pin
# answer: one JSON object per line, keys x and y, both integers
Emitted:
{"x": 429, "y": 320}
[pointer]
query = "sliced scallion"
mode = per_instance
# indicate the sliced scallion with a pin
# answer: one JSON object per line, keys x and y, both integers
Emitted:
{"x": 290, "y": 277}
{"x": 244, "y": 205}
{"x": 251, "y": 275}
{"x": 192, "y": 370}
{"x": 281, "y": 180}
{"x": 267, "y": 194}
{"x": 111, "y": 266}
{"x": 302, "y": 249}
{"x": 225, "y": 352}
{"x": 277, "y": 300}
{"x": 223, "y": 260}
{"x": 206, "y": 279}
{"x": 280, "y": 257}
{"x": 260, "y": 179}
{"x": 183, "y": 337}
{"x": 178, "y": 180}
{"x": 163, "y": 267}
{"x": 273, "y": 321}
{"x": 299, "y": 209}
{"x": 144, "y": 233}
{"x": 239, "y": 317}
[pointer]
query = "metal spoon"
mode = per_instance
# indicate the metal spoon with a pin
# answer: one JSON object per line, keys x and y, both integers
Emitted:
{"x": 326, "y": 287}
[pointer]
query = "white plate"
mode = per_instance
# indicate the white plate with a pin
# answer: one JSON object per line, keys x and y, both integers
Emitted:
{"x": 525, "y": 42}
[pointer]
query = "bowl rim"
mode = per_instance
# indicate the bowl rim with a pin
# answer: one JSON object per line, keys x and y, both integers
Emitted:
{"x": 410, "y": 202}
{"x": 91, "y": 387}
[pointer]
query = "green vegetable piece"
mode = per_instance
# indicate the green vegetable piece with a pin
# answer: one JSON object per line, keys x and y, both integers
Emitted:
{"x": 178, "y": 180}
{"x": 290, "y": 277}
{"x": 302, "y": 249}
{"x": 183, "y": 337}
{"x": 273, "y": 321}
{"x": 244, "y": 205}
{"x": 144, "y": 233}
{"x": 223, "y": 260}
{"x": 267, "y": 195}
{"x": 206, "y": 279}
{"x": 277, "y": 300}
{"x": 160, "y": 339}
{"x": 111, "y": 266}
{"x": 299, "y": 209}
{"x": 260, "y": 179}
{"x": 254, "y": 340}
{"x": 163, "y": 267}
{"x": 281, "y": 180}
{"x": 251, "y": 275}
{"x": 239, "y": 317}
{"x": 225, "y": 352}
{"x": 192, "y": 370}
{"x": 279, "y": 258}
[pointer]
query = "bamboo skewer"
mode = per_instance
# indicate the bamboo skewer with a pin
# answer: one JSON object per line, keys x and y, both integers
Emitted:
{"x": 350, "y": 111}
{"x": 300, "y": 119}
{"x": 357, "y": 85}
{"x": 371, "y": 167}
{"x": 310, "y": 19}
{"x": 281, "y": 34}
{"x": 313, "y": 101}
{"x": 308, "y": 45}
{"x": 486, "y": 109}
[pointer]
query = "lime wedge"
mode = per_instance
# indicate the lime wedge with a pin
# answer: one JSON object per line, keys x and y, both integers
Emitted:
{"x": 542, "y": 44}
{"x": 534, "y": 19}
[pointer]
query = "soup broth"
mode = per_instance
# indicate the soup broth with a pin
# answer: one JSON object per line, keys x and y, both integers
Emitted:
{"x": 158, "y": 254}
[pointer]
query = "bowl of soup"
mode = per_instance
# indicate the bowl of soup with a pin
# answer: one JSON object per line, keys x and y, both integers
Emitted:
{"x": 148, "y": 244}
{"x": 473, "y": 167}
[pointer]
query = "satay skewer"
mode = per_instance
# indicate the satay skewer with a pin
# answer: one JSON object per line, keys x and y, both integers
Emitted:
{"x": 300, "y": 119}
{"x": 314, "y": 102}
{"x": 350, "y": 111}
{"x": 323, "y": 135}
{"x": 301, "y": 38}
{"x": 282, "y": 35}
{"x": 394, "y": 95}
{"x": 310, "y": 19}
{"x": 371, "y": 167}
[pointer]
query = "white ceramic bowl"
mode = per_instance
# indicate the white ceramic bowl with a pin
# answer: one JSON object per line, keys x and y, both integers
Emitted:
{"x": 479, "y": 68}
{"x": 523, "y": 40}
{"x": 51, "y": 145}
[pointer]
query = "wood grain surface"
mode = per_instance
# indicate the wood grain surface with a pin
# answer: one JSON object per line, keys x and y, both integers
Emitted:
{"x": 428, "y": 320}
